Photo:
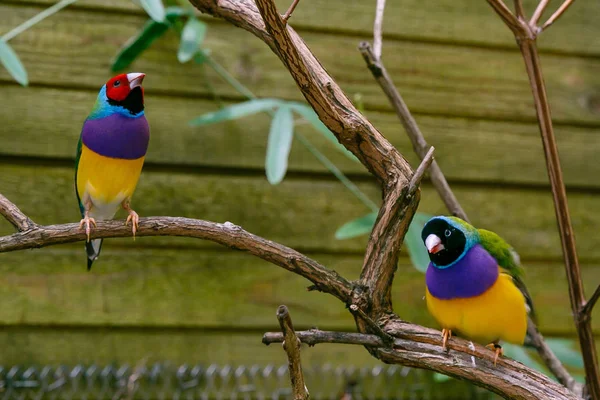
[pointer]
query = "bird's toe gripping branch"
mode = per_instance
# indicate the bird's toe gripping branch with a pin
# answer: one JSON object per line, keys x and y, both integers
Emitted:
{"x": 495, "y": 347}
{"x": 87, "y": 221}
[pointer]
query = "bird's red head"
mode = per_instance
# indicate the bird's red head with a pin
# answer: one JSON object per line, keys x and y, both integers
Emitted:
{"x": 119, "y": 87}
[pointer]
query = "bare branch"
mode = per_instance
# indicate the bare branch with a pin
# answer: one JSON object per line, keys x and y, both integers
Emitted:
{"x": 417, "y": 139}
{"x": 576, "y": 293}
{"x": 421, "y": 347}
{"x": 558, "y": 13}
{"x": 539, "y": 11}
{"x": 227, "y": 234}
{"x": 291, "y": 345}
{"x": 519, "y": 9}
{"x": 508, "y": 17}
{"x": 387, "y": 339}
{"x": 586, "y": 310}
{"x": 290, "y": 10}
{"x": 314, "y": 336}
{"x": 415, "y": 181}
{"x": 378, "y": 28}
{"x": 14, "y": 215}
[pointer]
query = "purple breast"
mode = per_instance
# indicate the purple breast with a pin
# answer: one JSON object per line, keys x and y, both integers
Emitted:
{"x": 475, "y": 273}
{"x": 117, "y": 136}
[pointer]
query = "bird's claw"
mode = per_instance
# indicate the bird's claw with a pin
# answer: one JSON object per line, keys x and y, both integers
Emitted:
{"x": 134, "y": 218}
{"x": 446, "y": 334}
{"x": 87, "y": 222}
{"x": 495, "y": 347}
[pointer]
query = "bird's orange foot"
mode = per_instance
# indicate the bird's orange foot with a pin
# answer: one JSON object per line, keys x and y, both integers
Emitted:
{"x": 134, "y": 218}
{"x": 87, "y": 222}
{"x": 446, "y": 334}
{"x": 497, "y": 349}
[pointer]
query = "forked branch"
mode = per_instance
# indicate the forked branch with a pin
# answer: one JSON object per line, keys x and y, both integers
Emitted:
{"x": 291, "y": 345}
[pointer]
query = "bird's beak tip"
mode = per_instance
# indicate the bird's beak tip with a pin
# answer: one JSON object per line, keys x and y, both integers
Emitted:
{"x": 135, "y": 79}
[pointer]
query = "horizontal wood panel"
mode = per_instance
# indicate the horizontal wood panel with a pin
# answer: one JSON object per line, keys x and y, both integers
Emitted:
{"x": 46, "y": 122}
{"x": 218, "y": 290}
{"x": 440, "y": 20}
{"x": 301, "y": 213}
{"x": 433, "y": 78}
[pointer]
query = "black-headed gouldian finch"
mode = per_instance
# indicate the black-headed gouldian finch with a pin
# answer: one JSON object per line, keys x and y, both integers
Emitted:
{"x": 474, "y": 285}
{"x": 110, "y": 155}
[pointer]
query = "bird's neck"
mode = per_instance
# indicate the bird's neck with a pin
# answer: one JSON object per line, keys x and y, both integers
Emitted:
{"x": 471, "y": 276}
{"x": 117, "y": 136}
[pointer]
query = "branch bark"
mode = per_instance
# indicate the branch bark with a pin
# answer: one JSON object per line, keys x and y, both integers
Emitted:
{"x": 291, "y": 345}
{"x": 14, "y": 215}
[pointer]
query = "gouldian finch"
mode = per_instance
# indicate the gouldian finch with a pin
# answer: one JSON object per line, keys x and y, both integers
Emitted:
{"x": 110, "y": 155}
{"x": 474, "y": 285}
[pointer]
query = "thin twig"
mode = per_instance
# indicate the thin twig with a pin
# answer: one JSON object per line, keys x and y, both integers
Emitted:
{"x": 314, "y": 336}
{"x": 291, "y": 345}
{"x": 290, "y": 10}
{"x": 557, "y": 14}
{"x": 576, "y": 292}
{"x": 36, "y": 18}
{"x": 586, "y": 310}
{"x": 14, "y": 215}
{"x": 519, "y": 9}
{"x": 378, "y": 28}
{"x": 537, "y": 14}
{"x": 415, "y": 181}
{"x": 411, "y": 127}
{"x": 355, "y": 309}
{"x": 508, "y": 17}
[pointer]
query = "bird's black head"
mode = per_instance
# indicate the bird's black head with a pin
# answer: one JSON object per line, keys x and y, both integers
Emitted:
{"x": 447, "y": 239}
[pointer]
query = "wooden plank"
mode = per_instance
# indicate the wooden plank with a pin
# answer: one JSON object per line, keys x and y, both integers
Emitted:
{"x": 154, "y": 289}
{"x": 45, "y": 123}
{"x": 301, "y": 213}
{"x": 472, "y": 23}
{"x": 434, "y": 78}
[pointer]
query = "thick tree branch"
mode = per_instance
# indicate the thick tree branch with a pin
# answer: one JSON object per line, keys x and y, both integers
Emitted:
{"x": 291, "y": 345}
{"x": 14, "y": 215}
{"x": 421, "y": 347}
{"x": 227, "y": 234}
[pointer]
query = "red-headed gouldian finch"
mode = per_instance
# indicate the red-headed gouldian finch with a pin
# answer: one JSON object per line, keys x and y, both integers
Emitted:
{"x": 110, "y": 155}
{"x": 474, "y": 285}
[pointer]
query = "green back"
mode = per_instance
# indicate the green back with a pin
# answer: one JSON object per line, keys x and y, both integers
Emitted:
{"x": 77, "y": 157}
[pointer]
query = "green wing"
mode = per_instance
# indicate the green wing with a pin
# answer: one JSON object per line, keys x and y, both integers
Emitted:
{"x": 77, "y": 157}
{"x": 507, "y": 259}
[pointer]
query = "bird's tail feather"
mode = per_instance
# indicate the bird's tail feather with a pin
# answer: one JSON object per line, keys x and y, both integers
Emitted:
{"x": 93, "y": 251}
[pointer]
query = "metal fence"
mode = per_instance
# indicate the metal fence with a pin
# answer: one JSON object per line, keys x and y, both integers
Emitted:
{"x": 164, "y": 381}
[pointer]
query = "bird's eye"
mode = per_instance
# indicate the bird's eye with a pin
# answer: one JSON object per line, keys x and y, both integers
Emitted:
{"x": 117, "y": 84}
{"x": 447, "y": 232}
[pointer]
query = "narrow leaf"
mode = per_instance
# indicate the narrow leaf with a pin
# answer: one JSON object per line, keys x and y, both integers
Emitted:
{"x": 357, "y": 227}
{"x": 236, "y": 111}
{"x": 12, "y": 63}
{"x": 155, "y": 9}
{"x": 565, "y": 351}
{"x": 437, "y": 377}
{"x": 136, "y": 45}
{"x": 279, "y": 144}
{"x": 414, "y": 244}
{"x": 192, "y": 36}
{"x": 309, "y": 114}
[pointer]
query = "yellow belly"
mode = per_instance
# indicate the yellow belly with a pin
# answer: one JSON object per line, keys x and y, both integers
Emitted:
{"x": 106, "y": 181}
{"x": 498, "y": 314}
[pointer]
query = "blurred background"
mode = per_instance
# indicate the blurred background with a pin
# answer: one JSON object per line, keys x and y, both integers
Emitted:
{"x": 180, "y": 313}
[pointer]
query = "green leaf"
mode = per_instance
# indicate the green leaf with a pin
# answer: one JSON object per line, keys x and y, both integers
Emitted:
{"x": 136, "y": 45}
{"x": 437, "y": 377}
{"x": 155, "y": 9}
{"x": 192, "y": 36}
{"x": 565, "y": 351}
{"x": 309, "y": 114}
{"x": 357, "y": 227}
{"x": 201, "y": 56}
{"x": 279, "y": 144}
{"x": 236, "y": 111}
{"x": 414, "y": 244}
{"x": 12, "y": 63}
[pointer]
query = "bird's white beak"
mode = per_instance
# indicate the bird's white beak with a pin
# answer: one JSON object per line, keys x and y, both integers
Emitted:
{"x": 434, "y": 244}
{"x": 135, "y": 79}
